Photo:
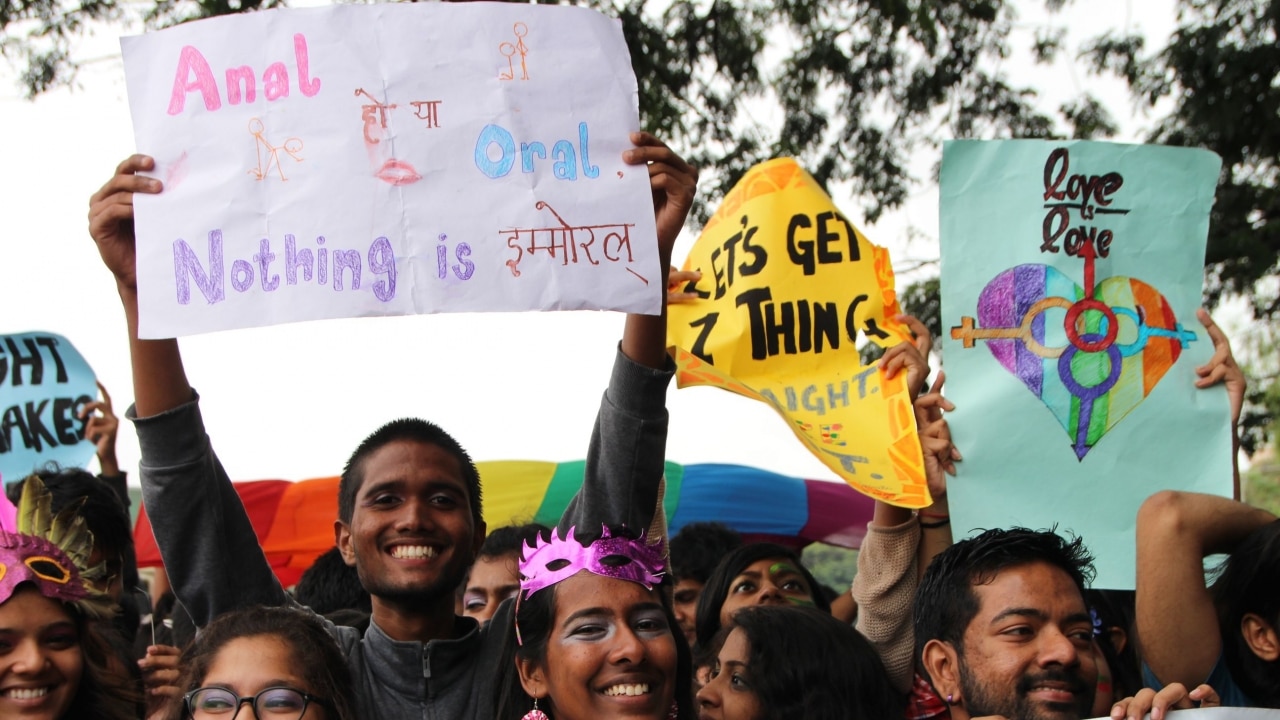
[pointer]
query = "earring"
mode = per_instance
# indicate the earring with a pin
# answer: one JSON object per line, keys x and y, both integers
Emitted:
{"x": 950, "y": 700}
{"x": 674, "y": 712}
{"x": 535, "y": 713}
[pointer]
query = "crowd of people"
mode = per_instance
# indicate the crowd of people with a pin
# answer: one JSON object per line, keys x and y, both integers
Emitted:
{"x": 420, "y": 611}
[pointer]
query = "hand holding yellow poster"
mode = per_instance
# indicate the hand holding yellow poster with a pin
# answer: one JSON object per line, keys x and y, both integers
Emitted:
{"x": 787, "y": 285}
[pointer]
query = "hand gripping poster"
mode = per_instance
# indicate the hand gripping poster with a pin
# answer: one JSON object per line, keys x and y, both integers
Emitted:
{"x": 789, "y": 287}
{"x": 388, "y": 159}
{"x": 1071, "y": 276}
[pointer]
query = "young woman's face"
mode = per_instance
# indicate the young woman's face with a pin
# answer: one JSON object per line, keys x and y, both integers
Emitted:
{"x": 611, "y": 653}
{"x": 772, "y": 581}
{"x": 728, "y": 694}
{"x": 248, "y": 665}
{"x": 492, "y": 580}
{"x": 40, "y": 658}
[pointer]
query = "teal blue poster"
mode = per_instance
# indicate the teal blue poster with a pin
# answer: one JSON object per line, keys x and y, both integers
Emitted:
{"x": 44, "y": 383}
{"x": 1071, "y": 275}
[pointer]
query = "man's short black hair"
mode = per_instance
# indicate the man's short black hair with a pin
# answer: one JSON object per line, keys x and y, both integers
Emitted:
{"x": 412, "y": 430}
{"x": 699, "y": 547}
{"x": 945, "y": 602}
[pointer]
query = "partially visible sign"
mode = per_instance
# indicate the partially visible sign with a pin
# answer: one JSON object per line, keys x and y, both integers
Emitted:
{"x": 1071, "y": 275}
{"x": 44, "y": 383}
{"x": 1224, "y": 713}
{"x": 386, "y": 160}
{"x": 788, "y": 285}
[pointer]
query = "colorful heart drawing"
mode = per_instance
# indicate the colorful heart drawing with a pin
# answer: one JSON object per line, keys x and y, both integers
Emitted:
{"x": 1090, "y": 358}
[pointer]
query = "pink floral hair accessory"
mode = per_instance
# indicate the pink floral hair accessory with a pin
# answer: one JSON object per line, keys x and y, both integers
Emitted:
{"x": 547, "y": 563}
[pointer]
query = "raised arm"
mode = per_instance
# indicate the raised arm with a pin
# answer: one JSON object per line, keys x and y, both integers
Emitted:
{"x": 674, "y": 183}
{"x": 1176, "y": 619}
{"x": 159, "y": 380}
{"x": 204, "y": 536}
{"x": 1222, "y": 368}
{"x": 628, "y": 444}
{"x": 891, "y": 554}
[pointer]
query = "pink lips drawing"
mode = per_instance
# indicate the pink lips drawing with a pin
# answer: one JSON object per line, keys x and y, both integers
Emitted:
{"x": 397, "y": 172}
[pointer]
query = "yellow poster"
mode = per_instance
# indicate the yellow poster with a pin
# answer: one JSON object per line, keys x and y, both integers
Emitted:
{"x": 788, "y": 285}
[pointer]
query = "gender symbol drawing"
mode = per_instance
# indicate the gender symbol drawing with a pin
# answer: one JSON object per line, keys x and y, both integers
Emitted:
{"x": 1113, "y": 343}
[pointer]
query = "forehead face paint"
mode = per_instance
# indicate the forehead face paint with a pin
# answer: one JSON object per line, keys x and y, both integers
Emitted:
{"x": 779, "y": 568}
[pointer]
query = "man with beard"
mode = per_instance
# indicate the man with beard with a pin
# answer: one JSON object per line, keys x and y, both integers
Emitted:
{"x": 409, "y": 498}
{"x": 1002, "y": 629}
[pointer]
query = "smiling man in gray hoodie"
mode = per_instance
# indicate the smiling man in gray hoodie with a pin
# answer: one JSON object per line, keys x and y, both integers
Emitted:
{"x": 409, "y": 505}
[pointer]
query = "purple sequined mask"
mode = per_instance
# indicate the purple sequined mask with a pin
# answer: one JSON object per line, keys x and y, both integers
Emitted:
{"x": 25, "y": 558}
{"x": 613, "y": 557}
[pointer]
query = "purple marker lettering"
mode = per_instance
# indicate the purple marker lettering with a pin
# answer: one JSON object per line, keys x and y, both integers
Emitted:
{"x": 186, "y": 263}
{"x": 346, "y": 259}
{"x": 264, "y": 257}
{"x": 382, "y": 260}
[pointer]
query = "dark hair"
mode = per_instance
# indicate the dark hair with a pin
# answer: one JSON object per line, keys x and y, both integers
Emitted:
{"x": 316, "y": 655}
{"x": 711, "y": 601}
{"x": 945, "y": 603}
{"x": 103, "y": 511}
{"x": 512, "y": 539}
{"x": 1248, "y": 581}
{"x": 1115, "y": 608}
{"x": 535, "y": 616}
{"x": 105, "y": 692}
{"x": 804, "y": 663}
{"x": 699, "y": 547}
{"x": 412, "y": 430}
{"x": 330, "y": 584}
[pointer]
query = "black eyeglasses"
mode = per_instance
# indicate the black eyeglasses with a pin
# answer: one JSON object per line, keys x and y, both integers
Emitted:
{"x": 273, "y": 703}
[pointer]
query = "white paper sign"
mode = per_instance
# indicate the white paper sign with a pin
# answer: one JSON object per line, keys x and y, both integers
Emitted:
{"x": 386, "y": 160}
{"x": 1225, "y": 713}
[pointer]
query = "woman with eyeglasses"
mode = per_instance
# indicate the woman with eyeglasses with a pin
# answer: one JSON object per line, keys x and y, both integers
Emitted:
{"x": 280, "y": 661}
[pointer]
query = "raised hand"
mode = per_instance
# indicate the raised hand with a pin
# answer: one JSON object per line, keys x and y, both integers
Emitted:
{"x": 940, "y": 455}
{"x": 913, "y": 356}
{"x": 1222, "y": 367}
{"x": 111, "y": 218}
{"x": 677, "y": 279}
{"x": 160, "y": 678}
{"x": 674, "y": 183}
{"x": 101, "y": 430}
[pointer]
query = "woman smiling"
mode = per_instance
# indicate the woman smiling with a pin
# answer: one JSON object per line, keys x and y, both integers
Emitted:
{"x": 594, "y": 637}
{"x": 53, "y": 663}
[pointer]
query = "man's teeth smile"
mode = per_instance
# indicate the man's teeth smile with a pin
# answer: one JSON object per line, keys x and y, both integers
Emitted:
{"x": 630, "y": 690}
{"x": 26, "y": 693}
{"x": 413, "y": 552}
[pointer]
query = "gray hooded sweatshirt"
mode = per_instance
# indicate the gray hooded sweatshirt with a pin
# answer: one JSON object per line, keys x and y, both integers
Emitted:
{"x": 216, "y": 565}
